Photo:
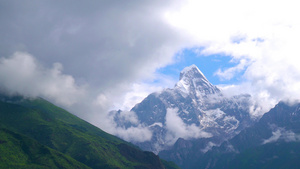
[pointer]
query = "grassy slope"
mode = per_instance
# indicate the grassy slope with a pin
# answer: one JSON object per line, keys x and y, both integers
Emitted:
{"x": 169, "y": 164}
{"x": 64, "y": 132}
{"x": 19, "y": 151}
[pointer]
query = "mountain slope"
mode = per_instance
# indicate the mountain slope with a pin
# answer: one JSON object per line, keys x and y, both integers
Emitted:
{"x": 273, "y": 142}
{"x": 19, "y": 151}
{"x": 190, "y": 118}
{"x": 53, "y": 127}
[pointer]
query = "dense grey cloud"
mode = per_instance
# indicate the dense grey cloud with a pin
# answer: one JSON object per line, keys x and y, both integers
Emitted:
{"x": 102, "y": 42}
{"x": 85, "y": 55}
{"x": 22, "y": 74}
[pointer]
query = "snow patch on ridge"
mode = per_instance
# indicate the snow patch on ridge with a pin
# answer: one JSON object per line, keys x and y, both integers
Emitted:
{"x": 183, "y": 87}
{"x": 210, "y": 118}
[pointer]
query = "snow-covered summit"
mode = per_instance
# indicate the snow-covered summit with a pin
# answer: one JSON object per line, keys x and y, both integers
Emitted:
{"x": 192, "y": 80}
{"x": 191, "y": 72}
{"x": 193, "y": 109}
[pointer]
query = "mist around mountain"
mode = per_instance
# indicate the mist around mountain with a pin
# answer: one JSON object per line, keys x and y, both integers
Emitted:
{"x": 196, "y": 125}
{"x": 193, "y": 109}
{"x": 37, "y": 134}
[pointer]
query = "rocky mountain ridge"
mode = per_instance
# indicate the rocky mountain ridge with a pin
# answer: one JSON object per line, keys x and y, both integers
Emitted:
{"x": 199, "y": 109}
{"x": 272, "y": 142}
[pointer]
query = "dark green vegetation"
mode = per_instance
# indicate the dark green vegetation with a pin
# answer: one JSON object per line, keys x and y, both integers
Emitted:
{"x": 19, "y": 151}
{"x": 36, "y": 134}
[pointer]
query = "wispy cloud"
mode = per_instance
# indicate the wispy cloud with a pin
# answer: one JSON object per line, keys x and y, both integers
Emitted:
{"x": 229, "y": 73}
{"x": 176, "y": 128}
{"x": 208, "y": 147}
{"x": 282, "y": 134}
{"x": 133, "y": 134}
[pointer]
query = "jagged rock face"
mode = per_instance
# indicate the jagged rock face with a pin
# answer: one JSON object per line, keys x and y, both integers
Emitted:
{"x": 192, "y": 82}
{"x": 282, "y": 123}
{"x": 198, "y": 108}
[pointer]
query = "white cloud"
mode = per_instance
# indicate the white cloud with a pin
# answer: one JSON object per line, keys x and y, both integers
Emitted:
{"x": 261, "y": 36}
{"x": 231, "y": 72}
{"x": 275, "y": 136}
{"x": 176, "y": 128}
{"x": 282, "y": 134}
{"x": 110, "y": 49}
{"x": 114, "y": 48}
{"x": 208, "y": 147}
{"x": 133, "y": 134}
{"x": 129, "y": 116}
{"x": 22, "y": 74}
{"x": 260, "y": 101}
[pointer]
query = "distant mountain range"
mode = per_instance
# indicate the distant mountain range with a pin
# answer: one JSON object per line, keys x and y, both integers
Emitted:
{"x": 196, "y": 125}
{"x": 36, "y": 134}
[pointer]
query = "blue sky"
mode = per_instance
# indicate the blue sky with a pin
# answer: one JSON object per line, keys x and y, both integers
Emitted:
{"x": 208, "y": 64}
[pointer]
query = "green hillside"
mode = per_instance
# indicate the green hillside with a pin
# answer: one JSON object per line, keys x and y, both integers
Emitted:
{"x": 18, "y": 151}
{"x": 57, "y": 129}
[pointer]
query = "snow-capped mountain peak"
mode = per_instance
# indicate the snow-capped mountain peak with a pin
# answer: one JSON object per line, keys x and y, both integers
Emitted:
{"x": 192, "y": 80}
{"x": 193, "y": 109}
{"x": 191, "y": 72}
